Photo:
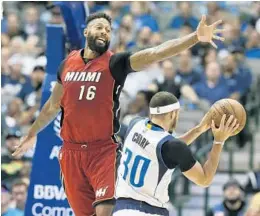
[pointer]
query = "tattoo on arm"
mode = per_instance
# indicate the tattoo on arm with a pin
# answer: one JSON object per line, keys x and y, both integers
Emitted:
{"x": 144, "y": 58}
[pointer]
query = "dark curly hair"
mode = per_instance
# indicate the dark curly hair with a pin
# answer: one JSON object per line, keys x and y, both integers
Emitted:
{"x": 97, "y": 16}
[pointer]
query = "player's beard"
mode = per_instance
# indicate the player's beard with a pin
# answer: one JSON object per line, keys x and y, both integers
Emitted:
{"x": 94, "y": 46}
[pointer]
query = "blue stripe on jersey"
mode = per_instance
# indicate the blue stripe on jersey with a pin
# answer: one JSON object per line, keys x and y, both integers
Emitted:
{"x": 162, "y": 166}
{"x": 128, "y": 203}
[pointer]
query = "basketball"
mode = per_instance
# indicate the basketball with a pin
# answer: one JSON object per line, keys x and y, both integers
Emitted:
{"x": 229, "y": 107}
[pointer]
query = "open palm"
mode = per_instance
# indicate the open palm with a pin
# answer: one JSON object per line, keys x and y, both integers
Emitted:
{"x": 206, "y": 33}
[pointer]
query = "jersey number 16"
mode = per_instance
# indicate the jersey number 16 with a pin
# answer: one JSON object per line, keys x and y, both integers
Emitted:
{"x": 91, "y": 92}
{"x": 138, "y": 169}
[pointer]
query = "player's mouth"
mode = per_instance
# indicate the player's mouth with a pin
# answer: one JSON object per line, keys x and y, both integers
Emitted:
{"x": 101, "y": 41}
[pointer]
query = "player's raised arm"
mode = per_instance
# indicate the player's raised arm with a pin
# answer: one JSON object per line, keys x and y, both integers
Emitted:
{"x": 204, "y": 33}
{"x": 203, "y": 175}
{"x": 47, "y": 114}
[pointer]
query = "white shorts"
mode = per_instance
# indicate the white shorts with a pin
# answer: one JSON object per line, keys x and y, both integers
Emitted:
{"x": 131, "y": 207}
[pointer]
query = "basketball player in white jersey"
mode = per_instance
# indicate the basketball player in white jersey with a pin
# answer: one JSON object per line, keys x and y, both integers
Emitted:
{"x": 150, "y": 155}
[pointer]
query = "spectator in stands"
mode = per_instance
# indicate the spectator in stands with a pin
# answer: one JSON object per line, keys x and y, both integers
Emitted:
{"x": 254, "y": 207}
{"x": 13, "y": 26}
{"x": 253, "y": 182}
{"x": 212, "y": 11}
{"x": 32, "y": 101}
{"x": 32, "y": 24}
{"x": 253, "y": 41}
{"x": 14, "y": 113}
{"x": 5, "y": 40}
{"x": 25, "y": 171}
{"x": 11, "y": 167}
{"x": 185, "y": 16}
{"x": 156, "y": 39}
{"x": 17, "y": 46}
{"x": 128, "y": 24}
{"x": 94, "y": 7}
{"x": 56, "y": 17}
{"x": 118, "y": 9}
{"x": 19, "y": 194}
{"x": 212, "y": 88}
{"x": 209, "y": 56}
{"x": 171, "y": 82}
{"x": 5, "y": 55}
{"x": 185, "y": 69}
{"x": 138, "y": 107}
{"x": 131, "y": 113}
{"x": 238, "y": 82}
{"x": 232, "y": 36}
{"x": 206, "y": 55}
{"x": 185, "y": 30}
{"x": 140, "y": 11}
{"x": 125, "y": 39}
{"x": 15, "y": 84}
{"x": 142, "y": 102}
{"x": 6, "y": 200}
{"x": 233, "y": 203}
{"x": 37, "y": 78}
{"x": 143, "y": 39}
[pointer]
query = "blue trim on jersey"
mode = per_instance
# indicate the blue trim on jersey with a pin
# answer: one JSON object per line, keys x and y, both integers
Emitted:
{"x": 162, "y": 166}
{"x": 132, "y": 124}
{"x": 152, "y": 127}
{"x": 128, "y": 203}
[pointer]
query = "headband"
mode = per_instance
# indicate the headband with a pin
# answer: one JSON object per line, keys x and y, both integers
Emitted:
{"x": 164, "y": 109}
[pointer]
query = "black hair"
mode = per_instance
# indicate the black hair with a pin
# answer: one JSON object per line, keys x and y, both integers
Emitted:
{"x": 162, "y": 98}
{"x": 38, "y": 67}
{"x": 98, "y": 16}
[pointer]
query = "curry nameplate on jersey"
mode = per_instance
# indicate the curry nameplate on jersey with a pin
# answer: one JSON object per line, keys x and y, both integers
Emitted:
{"x": 140, "y": 140}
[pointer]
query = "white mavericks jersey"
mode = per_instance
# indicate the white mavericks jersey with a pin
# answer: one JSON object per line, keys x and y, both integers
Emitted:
{"x": 142, "y": 174}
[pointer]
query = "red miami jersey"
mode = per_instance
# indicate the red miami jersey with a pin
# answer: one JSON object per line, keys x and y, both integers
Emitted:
{"x": 91, "y": 90}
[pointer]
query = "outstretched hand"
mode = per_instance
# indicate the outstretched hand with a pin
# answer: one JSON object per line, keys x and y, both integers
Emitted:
{"x": 206, "y": 33}
{"x": 26, "y": 143}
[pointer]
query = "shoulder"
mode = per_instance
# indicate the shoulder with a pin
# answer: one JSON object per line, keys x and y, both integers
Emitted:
{"x": 176, "y": 143}
{"x": 132, "y": 123}
{"x": 122, "y": 56}
{"x": 74, "y": 52}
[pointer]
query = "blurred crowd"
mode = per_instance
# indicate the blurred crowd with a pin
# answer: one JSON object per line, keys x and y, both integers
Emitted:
{"x": 198, "y": 77}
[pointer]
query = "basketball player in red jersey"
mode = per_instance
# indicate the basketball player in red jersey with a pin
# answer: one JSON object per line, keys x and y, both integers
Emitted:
{"x": 87, "y": 92}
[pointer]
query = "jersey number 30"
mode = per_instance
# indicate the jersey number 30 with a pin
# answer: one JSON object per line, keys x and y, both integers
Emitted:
{"x": 138, "y": 170}
{"x": 91, "y": 92}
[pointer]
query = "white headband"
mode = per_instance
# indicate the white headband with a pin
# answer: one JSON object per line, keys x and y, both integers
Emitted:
{"x": 165, "y": 109}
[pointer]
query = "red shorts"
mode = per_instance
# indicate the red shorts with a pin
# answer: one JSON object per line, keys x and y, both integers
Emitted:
{"x": 88, "y": 174}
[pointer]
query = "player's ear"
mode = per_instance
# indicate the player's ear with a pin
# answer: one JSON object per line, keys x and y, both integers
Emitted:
{"x": 173, "y": 114}
{"x": 85, "y": 32}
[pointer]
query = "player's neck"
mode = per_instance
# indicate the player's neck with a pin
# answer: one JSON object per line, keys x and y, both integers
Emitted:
{"x": 89, "y": 54}
{"x": 160, "y": 123}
